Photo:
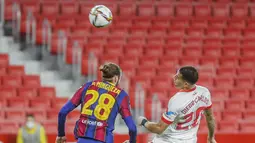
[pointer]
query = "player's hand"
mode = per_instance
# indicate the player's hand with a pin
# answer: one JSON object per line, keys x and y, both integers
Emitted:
{"x": 127, "y": 141}
{"x": 140, "y": 119}
{"x": 211, "y": 140}
{"x": 60, "y": 140}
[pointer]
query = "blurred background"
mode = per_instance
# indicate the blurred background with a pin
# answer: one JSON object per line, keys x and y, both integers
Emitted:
{"x": 48, "y": 49}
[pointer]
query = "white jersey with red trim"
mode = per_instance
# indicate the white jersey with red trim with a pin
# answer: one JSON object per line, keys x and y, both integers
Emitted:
{"x": 183, "y": 115}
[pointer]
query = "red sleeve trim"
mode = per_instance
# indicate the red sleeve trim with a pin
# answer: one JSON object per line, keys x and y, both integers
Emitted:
{"x": 209, "y": 107}
{"x": 165, "y": 120}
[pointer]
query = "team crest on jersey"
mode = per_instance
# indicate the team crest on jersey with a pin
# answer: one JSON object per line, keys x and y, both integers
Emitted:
{"x": 169, "y": 113}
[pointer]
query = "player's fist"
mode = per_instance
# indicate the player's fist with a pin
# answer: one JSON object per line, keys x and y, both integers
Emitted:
{"x": 60, "y": 140}
{"x": 140, "y": 120}
{"x": 127, "y": 141}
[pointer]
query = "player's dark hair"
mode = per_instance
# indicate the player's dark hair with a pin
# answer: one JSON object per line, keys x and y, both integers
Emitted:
{"x": 109, "y": 70}
{"x": 189, "y": 74}
{"x": 30, "y": 115}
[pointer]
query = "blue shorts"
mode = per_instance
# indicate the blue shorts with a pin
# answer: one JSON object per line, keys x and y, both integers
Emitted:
{"x": 84, "y": 140}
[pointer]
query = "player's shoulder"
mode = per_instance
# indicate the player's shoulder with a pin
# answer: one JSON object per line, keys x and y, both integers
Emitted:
{"x": 202, "y": 88}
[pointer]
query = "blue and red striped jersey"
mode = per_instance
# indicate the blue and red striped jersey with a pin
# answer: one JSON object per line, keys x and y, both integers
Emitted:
{"x": 100, "y": 103}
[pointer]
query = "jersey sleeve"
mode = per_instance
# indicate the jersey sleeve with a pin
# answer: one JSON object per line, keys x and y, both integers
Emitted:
{"x": 169, "y": 116}
{"x": 209, "y": 102}
{"x": 125, "y": 107}
{"x": 76, "y": 99}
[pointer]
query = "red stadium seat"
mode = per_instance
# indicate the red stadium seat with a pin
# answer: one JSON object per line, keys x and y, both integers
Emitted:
{"x": 158, "y": 31}
{"x": 155, "y": 40}
{"x": 195, "y": 32}
{"x": 50, "y": 8}
{"x": 199, "y": 23}
{"x": 248, "y": 51}
{"x": 220, "y": 11}
{"x": 50, "y": 126}
{"x": 235, "y": 104}
{"x": 40, "y": 115}
{"x": 244, "y": 82}
{"x": 217, "y": 23}
{"x": 214, "y": 32}
{"x": 165, "y": 10}
{"x": 229, "y": 115}
{"x": 133, "y": 49}
{"x": 47, "y": 92}
{"x": 97, "y": 39}
{"x": 40, "y": 103}
{"x": 31, "y": 81}
{"x": 146, "y": 10}
{"x": 250, "y": 105}
{"x": 142, "y": 21}
{"x": 154, "y": 50}
{"x": 190, "y": 50}
{"x": 17, "y": 103}
{"x": 52, "y": 115}
{"x": 143, "y": 80}
{"x": 209, "y": 61}
{"x": 247, "y": 62}
{"x": 189, "y": 61}
{"x": 229, "y": 62}
{"x": 136, "y": 39}
{"x": 179, "y": 23}
{"x": 69, "y": 8}
{"x": 167, "y": 61}
{"x": 119, "y": 30}
{"x": 247, "y": 127}
{"x": 202, "y": 11}
{"x": 127, "y": 9}
{"x": 231, "y": 41}
{"x": 248, "y": 72}
{"x": 218, "y": 105}
{"x": 250, "y": 23}
{"x": 239, "y": 93}
{"x": 231, "y": 51}
{"x": 174, "y": 41}
{"x": 226, "y": 82}
{"x": 113, "y": 49}
{"x": 231, "y": 72}
{"x": 149, "y": 61}
{"x": 7, "y": 92}
{"x": 249, "y": 115}
{"x": 108, "y": 58}
{"x": 8, "y": 127}
{"x": 3, "y": 71}
{"x": 173, "y": 50}
{"x": 58, "y": 103}
{"x": 146, "y": 71}
{"x": 219, "y": 94}
{"x": 12, "y": 81}
{"x": 232, "y": 32}
{"x": 138, "y": 31}
{"x": 8, "y": 10}
{"x": 226, "y": 126}
{"x": 27, "y": 92}
{"x": 252, "y": 10}
{"x": 95, "y": 48}
{"x": 239, "y": 10}
{"x": 184, "y": 10}
{"x": 117, "y": 39}
{"x": 128, "y": 70}
{"x": 132, "y": 60}
{"x": 196, "y": 41}
{"x": 4, "y": 60}
{"x": 213, "y": 41}
{"x": 236, "y": 23}
{"x": 17, "y": 115}
{"x": 249, "y": 32}
{"x": 211, "y": 51}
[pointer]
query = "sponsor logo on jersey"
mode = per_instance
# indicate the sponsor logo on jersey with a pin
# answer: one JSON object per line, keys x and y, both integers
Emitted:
{"x": 93, "y": 123}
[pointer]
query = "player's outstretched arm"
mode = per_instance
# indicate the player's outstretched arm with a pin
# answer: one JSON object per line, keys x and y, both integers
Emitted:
{"x": 210, "y": 124}
{"x": 127, "y": 117}
{"x": 153, "y": 127}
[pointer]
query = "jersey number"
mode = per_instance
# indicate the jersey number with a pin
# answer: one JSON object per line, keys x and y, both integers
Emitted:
{"x": 190, "y": 120}
{"x": 102, "y": 105}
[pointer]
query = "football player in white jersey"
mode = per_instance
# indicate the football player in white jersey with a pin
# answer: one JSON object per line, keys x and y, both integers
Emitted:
{"x": 180, "y": 123}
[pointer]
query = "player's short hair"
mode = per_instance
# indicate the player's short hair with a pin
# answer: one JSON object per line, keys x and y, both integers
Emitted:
{"x": 109, "y": 70}
{"x": 189, "y": 74}
{"x": 30, "y": 115}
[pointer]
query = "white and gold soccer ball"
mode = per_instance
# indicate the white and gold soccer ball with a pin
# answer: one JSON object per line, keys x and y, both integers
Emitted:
{"x": 100, "y": 16}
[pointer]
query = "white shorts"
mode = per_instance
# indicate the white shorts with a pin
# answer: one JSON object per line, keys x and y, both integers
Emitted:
{"x": 172, "y": 140}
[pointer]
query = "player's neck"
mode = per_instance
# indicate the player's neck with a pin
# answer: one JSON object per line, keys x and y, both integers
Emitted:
{"x": 189, "y": 88}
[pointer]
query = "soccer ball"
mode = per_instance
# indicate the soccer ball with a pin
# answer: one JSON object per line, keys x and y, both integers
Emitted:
{"x": 100, "y": 16}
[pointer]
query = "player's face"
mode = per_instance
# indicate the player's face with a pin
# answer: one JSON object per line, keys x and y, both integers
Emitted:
{"x": 179, "y": 83}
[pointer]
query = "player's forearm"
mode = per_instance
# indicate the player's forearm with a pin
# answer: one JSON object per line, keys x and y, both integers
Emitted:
{"x": 62, "y": 117}
{"x": 211, "y": 127}
{"x": 153, "y": 127}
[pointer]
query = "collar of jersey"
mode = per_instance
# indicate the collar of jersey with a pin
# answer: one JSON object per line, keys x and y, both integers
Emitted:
{"x": 188, "y": 90}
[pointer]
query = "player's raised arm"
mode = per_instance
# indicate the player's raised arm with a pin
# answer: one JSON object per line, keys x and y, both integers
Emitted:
{"x": 68, "y": 107}
{"x": 210, "y": 124}
{"x": 167, "y": 118}
{"x": 127, "y": 117}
